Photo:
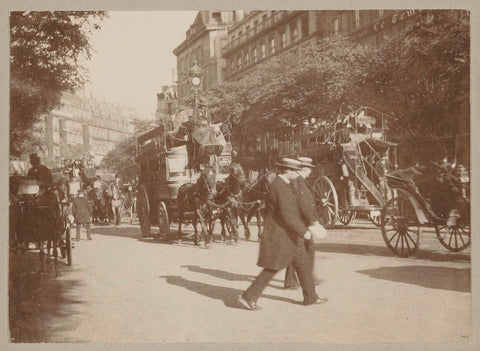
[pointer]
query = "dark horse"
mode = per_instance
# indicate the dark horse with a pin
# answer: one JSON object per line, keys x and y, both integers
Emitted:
{"x": 228, "y": 202}
{"x": 195, "y": 197}
{"x": 253, "y": 198}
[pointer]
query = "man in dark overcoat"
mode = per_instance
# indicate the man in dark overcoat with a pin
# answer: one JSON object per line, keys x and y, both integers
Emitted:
{"x": 306, "y": 204}
{"x": 282, "y": 243}
{"x": 39, "y": 171}
{"x": 82, "y": 211}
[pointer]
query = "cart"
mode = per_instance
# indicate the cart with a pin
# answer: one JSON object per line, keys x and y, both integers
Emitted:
{"x": 38, "y": 218}
{"x": 165, "y": 163}
{"x": 436, "y": 197}
{"x": 351, "y": 161}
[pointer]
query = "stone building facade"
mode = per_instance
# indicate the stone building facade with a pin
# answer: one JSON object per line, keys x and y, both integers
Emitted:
{"x": 203, "y": 45}
{"x": 83, "y": 126}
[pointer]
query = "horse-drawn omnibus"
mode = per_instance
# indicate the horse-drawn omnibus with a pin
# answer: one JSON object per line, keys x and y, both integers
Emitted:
{"x": 351, "y": 156}
{"x": 168, "y": 160}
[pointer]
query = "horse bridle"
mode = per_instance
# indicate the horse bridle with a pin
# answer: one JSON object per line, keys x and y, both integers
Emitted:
{"x": 205, "y": 186}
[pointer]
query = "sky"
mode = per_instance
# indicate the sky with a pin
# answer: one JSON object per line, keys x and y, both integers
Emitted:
{"x": 133, "y": 56}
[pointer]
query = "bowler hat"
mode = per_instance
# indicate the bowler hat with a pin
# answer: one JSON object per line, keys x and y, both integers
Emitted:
{"x": 306, "y": 162}
{"x": 289, "y": 163}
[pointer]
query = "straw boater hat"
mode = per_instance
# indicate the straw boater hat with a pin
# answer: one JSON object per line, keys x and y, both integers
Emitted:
{"x": 289, "y": 163}
{"x": 306, "y": 162}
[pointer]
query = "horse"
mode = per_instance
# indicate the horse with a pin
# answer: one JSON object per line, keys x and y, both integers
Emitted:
{"x": 117, "y": 203}
{"x": 228, "y": 199}
{"x": 195, "y": 197}
{"x": 255, "y": 196}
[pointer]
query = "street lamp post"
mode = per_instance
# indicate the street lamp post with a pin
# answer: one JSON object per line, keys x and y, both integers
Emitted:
{"x": 195, "y": 74}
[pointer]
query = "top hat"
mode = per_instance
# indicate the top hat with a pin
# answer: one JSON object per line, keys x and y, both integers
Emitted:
{"x": 305, "y": 162}
{"x": 289, "y": 163}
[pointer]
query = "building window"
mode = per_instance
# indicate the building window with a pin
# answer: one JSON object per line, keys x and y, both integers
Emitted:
{"x": 283, "y": 40}
{"x": 247, "y": 58}
{"x": 239, "y": 62}
{"x": 255, "y": 55}
{"x": 380, "y": 13}
{"x": 357, "y": 18}
{"x": 263, "y": 50}
{"x": 272, "y": 45}
{"x": 304, "y": 26}
{"x": 232, "y": 38}
{"x": 335, "y": 27}
{"x": 294, "y": 34}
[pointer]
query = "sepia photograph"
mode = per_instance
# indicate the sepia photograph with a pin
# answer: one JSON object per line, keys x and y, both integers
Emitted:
{"x": 232, "y": 176}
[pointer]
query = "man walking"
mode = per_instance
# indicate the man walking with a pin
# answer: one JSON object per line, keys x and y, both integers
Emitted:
{"x": 283, "y": 239}
{"x": 82, "y": 211}
{"x": 306, "y": 204}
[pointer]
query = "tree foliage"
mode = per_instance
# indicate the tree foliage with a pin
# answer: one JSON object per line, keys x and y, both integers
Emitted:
{"x": 317, "y": 82}
{"x": 424, "y": 80}
{"x": 419, "y": 77}
{"x": 45, "y": 51}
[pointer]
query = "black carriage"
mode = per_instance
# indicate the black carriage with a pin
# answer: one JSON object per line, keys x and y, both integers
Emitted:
{"x": 166, "y": 161}
{"x": 40, "y": 216}
{"x": 351, "y": 155}
{"x": 437, "y": 196}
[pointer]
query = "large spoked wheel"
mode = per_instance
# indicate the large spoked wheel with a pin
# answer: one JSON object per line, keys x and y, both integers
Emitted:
{"x": 326, "y": 201}
{"x": 454, "y": 237}
{"x": 375, "y": 217}
{"x": 400, "y": 228}
{"x": 346, "y": 216}
{"x": 163, "y": 221}
{"x": 144, "y": 212}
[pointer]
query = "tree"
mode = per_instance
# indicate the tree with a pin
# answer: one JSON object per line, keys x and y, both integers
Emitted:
{"x": 316, "y": 82}
{"x": 423, "y": 79}
{"x": 45, "y": 50}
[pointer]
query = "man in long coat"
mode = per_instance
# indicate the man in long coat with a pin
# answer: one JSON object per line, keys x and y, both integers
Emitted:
{"x": 306, "y": 204}
{"x": 82, "y": 211}
{"x": 283, "y": 240}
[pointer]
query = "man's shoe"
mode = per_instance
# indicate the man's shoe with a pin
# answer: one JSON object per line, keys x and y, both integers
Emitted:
{"x": 318, "y": 301}
{"x": 248, "y": 304}
{"x": 293, "y": 287}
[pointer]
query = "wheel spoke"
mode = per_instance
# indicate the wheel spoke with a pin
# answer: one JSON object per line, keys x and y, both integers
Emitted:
{"x": 393, "y": 236}
{"x": 398, "y": 238}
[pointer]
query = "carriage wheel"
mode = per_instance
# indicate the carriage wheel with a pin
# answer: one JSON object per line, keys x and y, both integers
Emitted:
{"x": 375, "y": 217}
{"x": 346, "y": 216}
{"x": 400, "y": 228}
{"x": 163, "y": 221}
{"x": 144, "y": 212}
{"x": 453, "y": 237}
{"x": 326, "y": 201}
{"x": 68, "y": 246}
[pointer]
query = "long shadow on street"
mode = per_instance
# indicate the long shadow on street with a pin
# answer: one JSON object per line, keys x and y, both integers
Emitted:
{"x": 443, "y": 278}
{"x": 227, "y": 295}
{"x": 228, "y": 275}
{"x": 38, "y": 301}
{"x": 373, "y": 250}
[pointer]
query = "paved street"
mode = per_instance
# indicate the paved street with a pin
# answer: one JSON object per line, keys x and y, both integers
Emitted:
{"x": 124, "y": 289}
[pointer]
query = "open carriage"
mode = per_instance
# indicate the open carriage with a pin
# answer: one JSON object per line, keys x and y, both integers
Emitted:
{"x": 438, "y": 197}
{"x": 351, "y": 156}
{"x": 166, "y": 162}
{"x": 39, "y": 215}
